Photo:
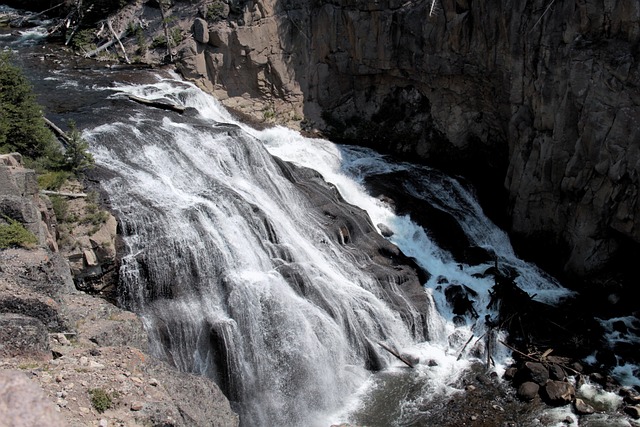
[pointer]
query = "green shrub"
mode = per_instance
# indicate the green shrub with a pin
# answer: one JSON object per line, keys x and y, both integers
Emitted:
{"x": 215, "y": 11}
{"x": 158, "y": 41}
{"x": 96, "y": 218}
{"x": 100, "y": 399}
{"x": 176, "y": 36}
{"x": 53, "y": 180}
{"x": 14, "y": 234}
{"x": 84, "y": 39}
{"x": 60, "y": 208}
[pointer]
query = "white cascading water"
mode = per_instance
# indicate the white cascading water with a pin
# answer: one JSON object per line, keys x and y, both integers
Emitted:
{"x": 213, "y": 231}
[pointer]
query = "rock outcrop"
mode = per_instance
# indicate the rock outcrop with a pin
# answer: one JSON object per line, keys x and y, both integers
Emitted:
{"x": 541, "y": 97}
{"x": 73, "y": 346}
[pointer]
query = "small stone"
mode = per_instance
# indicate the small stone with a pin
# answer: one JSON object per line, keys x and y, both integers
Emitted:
{"x": 498, "y": 408}
{"x": 62, "y": 403}
{"x": 153, "y": 382}
{"x": 84, "y": 409}
{"x": 136, "y": 380}
{"x": 59, "y": 378}
{"x": 470, "y": 387}
{"x": 70, "y": 386}
{"x": 103, "y": 423}
{"x": 473, "y": 417}
{"x": 136, "y": 406}
{"x": 84, "y": 360}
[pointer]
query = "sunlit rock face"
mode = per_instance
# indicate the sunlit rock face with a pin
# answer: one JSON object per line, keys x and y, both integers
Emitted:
{"x": 539, "y": 97}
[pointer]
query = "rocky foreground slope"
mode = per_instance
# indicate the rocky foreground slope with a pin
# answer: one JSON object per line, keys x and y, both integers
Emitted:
{"x": 68, "y": 358}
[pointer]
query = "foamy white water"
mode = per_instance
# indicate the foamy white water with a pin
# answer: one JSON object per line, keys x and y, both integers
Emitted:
{"x": 186, "y": 173}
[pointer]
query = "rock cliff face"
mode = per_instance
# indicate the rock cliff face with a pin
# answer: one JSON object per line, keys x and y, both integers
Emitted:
{"x": 538, "y": 96}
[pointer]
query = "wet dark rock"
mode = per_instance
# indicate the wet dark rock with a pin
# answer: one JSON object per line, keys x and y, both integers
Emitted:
{"x": 528, "y": 390}
{"x": 510, "y": 373}
{"x": 535, "y": 372}
{"x": 558, "y": 393}
{"x": 353, "y": 227}
{"x": 440, "y": 225}
{"x": 459, "y": 298}
{"x": 633, "y": 411}
{"x": 384, "y": 230}
{"x": 556, "y": 372}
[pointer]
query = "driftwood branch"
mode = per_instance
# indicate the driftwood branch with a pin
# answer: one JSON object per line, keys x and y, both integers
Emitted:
{"x": 124, "y": 51}
{"x": 396, "y": 354}
{"x": 108, "y": 44}
{"x": 158, "y": 104}
{"x": 57, "y": 131}
{"x": 59, "y": 193}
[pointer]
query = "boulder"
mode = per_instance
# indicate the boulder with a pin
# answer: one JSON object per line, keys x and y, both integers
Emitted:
{"x": 535, "y": 372}
{"x": 384, "y": 230}
{"x": 582, "y": 408}
{"x": 528, "y": 390}
{"x": 201, "y": 30}
{"x": 23, "y": 336}
{"x": 556, "y": 372}
{"x": 24, "y": 404}
{"x": 558, "y": 393}
{"x": 633, "y": 411}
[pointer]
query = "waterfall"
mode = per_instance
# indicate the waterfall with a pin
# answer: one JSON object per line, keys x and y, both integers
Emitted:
{"x": 235, "y": 275}
{"x": 256, "y": 273}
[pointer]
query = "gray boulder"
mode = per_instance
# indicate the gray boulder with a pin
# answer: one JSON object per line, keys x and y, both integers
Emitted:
{"x": 24, "y": 404}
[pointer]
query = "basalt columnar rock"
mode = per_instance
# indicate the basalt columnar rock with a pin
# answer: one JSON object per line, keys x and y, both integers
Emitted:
{"x": 540, "y": 97}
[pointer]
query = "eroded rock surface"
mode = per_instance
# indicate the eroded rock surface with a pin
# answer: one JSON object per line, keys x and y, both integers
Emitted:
{"x": 542, "y": 100}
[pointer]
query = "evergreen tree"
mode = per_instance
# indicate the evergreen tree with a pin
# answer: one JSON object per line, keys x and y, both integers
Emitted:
{"x": 22, "y": 126}
{"x": 76, "y": 155}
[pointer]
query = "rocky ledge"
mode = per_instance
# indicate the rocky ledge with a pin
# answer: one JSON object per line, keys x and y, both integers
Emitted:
{"x": 68, "y": 358}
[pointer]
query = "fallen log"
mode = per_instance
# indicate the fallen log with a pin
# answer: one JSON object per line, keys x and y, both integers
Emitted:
{"x": 57, "y": 131}
{"x": 396, "y": 354}
{"x": 158, "y": 104}
{"x": 108, "y": 44}
{"x": 62, "y": 194}
{"x": 124, "y": 51}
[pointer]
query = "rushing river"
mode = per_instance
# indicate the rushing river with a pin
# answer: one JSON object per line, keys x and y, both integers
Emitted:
{"x": 253, "y": 256}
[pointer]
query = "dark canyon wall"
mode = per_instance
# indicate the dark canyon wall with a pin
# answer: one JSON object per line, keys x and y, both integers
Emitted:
{"x": 538, "y": 96}
{"x": 535, "y": 101}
